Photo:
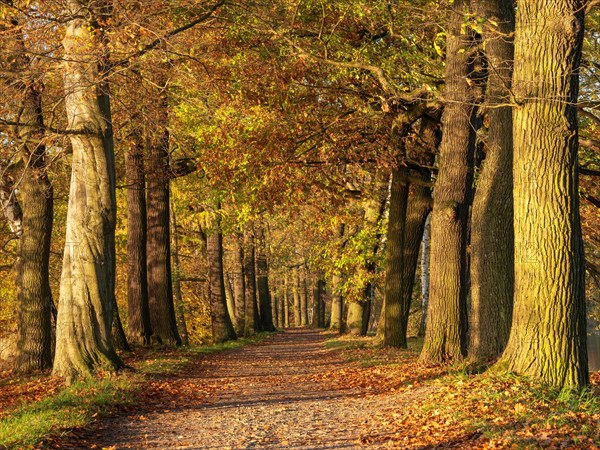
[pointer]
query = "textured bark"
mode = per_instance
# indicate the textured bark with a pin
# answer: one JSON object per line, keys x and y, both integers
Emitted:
{"x": 160, "y": 288}
{"x": 492, "y": 266}
{"x": 138, "y": 313}
{"x": 425, "y": 247}
{"x": 262, "y": 284}
{"x": 179, "y": 307}
{"x": 239, "y": 291}
{"x": 445, "y": 336}
{"x": 230, "y": 301}
{"x": 83, "y": 340}
{"x": 222, "y": 327}
{"x": 548, "y": 334}
{"x": 251, "y": 323}
{"x": 34, "y": 297}
{"x": 394, "y": 335}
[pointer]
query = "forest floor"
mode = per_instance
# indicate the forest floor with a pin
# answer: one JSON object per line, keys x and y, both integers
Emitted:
{"x": 307, "y": 389}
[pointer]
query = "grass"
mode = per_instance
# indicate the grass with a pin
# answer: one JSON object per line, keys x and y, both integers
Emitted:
{"x": 77, "y": 405}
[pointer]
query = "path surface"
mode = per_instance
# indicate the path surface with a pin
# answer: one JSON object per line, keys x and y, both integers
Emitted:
{"x": 269, "y": 395}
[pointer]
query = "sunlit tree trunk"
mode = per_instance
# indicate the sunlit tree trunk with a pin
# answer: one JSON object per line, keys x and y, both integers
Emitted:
{"x": 492, "y": 278}
{"x": 222, "y": 327}
{"x": 251, "y": 322}
{"x": 297, "y": 302}
{"x": 548, "y": 334}
{"x": 445, "y": 336}
{"x": 160, "y": 288}
{"x": 83, "y": 340}
{"x": 34, "y": 297}
{"x": 286, "y": 303}
{"x": 303, "y": 301}
{"x": 239, "y": 291}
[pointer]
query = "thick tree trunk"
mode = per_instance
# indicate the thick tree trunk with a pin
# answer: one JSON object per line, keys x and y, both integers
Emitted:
{"x": 179, "y": 307}
{"x": 492, "y": 265}
{"x": 222, "y": 327}
{"x": 33, "y": 285}
{"x": 251, "y": 322}
{"x": 548, "y": 334}
{"x": 83, "y": 340}
{"x": 445, "y": 336}
{"x": 337, "y": 305}
{"x": 138, "y": 313}
{"x": 394, "y": 335}
{"x": 160, "y": 288}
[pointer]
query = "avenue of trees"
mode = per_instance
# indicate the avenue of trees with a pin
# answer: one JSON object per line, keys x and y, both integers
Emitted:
{"x": 178, "y": 172}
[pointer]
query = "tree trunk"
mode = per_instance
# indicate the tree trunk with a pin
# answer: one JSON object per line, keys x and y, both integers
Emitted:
{"x": 286, "y": 303}
{"x": 394, "y": 335}
{"x": 425, "y": 246}
{"x": 34, "y": 297}
{"x": 303, "y": 302}
{"x": 445, "y": 336}
{"x": 179, "y": 306}
{"x": 548, "y": 334}
{"x": 251, "y": 322}
{"x": 83, "y": 340}
{"x": 222, "y": 327}
{"x": 138, "y": 324}
{"x": 262, "y": 282}
{"x": 354, "y": 322}
{"x": 239, "y": 291}
{"x": 492, "y": 265}
{"x": 337, "y": 305}
{"x": 160, "y": 288}
{"x": 297, "y": 301}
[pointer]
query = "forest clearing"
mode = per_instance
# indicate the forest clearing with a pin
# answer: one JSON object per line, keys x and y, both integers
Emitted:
{"x": 299, "y": 223}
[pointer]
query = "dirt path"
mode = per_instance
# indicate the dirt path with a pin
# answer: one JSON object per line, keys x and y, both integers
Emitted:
{"x": 270, "y": 395}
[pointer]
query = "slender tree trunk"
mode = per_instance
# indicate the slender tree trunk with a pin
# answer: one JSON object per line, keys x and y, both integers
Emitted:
{"x": 492, "y": 265}
{"x": 83, "y": 340}
{"x": 230, "y": 301}
{"x": 138, "y": 313}
{"x": 160, "y": 288}
{"x": 222, "y": 327}
{"x": 337, "y": 305}
{"x": 286, "y": 303}
{"x": 425, "y": 246}
{"x": 179, "y": 306}
{"x": 275, "y": 303}
{"x": 239, "y": 291}
{"x": 445, "y": 336}
{"x": 262, "y": 283}
{"x": 251, "y": 322}
{"x": 303, "y": 302}
{"x": 33, "y": 285}
{"x": 548, "y": 334}
{"x": 297, "y": 301}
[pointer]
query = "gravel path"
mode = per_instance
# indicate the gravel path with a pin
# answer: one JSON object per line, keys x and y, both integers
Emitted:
{"x": 268, "y": 395}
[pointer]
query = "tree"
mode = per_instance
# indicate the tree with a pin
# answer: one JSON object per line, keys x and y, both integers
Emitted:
{"x": 492, "y": 279}
{"x": 160, "y": 288}
{"x": 83, "y": 339}
{"x": 262, "y": 283}
{"x": 548, "y": 334}
{"x": 445, "y": 335}
{"x": 222, "y": 326}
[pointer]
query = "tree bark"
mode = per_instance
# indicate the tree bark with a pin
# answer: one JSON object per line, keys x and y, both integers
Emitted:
{"x": 297, "y": 301}
{"x": 138, "y": 324}
{"x": 394, "y": 335}
{"x": 239, "y": 291}
{"x": 548, "y": 335}
{"x": 251, "y": 322}
{"x": 303, "y": 301}
{"x": 262, "y": 283}
{"x": 492, "y": 266}
{"x": 222, "y": 327}
{"x": 179, "y": 306}
{"x": 445, "y": 336}
{"x": 83, "y": 339}
{"x": 34, "y": 297}
{"x": 337, "y": 305}
{"x": 160, "y": 288}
